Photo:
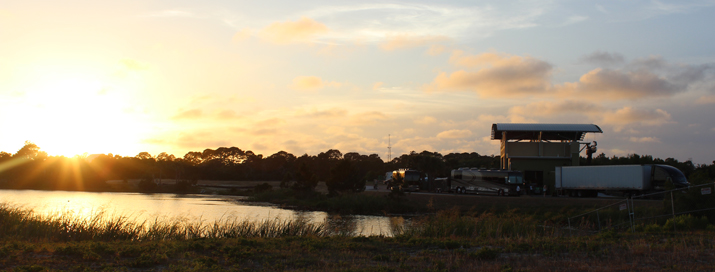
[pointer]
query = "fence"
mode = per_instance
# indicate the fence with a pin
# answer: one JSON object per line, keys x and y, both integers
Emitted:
{"x": 647, "y": 208}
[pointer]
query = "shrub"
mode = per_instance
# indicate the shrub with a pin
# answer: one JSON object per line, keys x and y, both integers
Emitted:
{"x": 686, "y": 222}
{"x": 260, "y": 188}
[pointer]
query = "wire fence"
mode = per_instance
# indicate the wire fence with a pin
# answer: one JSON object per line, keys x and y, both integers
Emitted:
{"x": 647, "y": 209}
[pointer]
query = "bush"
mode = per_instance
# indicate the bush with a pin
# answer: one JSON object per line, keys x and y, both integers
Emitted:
{"x": 260, "y": 188}
{"x": 686, "y": 222}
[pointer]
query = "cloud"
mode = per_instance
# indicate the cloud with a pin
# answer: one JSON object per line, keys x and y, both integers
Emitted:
{"x": 603, "y": 58}
{"x": 651, "y": 63}
{"x": 619, "y": 118}
{"x": 367, "y": 118}
{"x": 546, "y": 108}
{"x": 644, "y": 139}
{"x": 695, "y": 74}
{"x": 197, "y": 141}
{"x": 405, "y": 145}
{"x": 188, "y": 114}
{"x": 228, "y": 114}
{"x": 707, "y": 99}
{"x": 301, "y": 31}
{"x": 311, "y": 83}
{"x": 436, "y": 49}
{"x": 172, "y": 13}
{"x": 259, "y": 146}
{"x": 427, "y": 120}
{"x": 242, "y": 35}
{"x": 498, "y": 75}
{"x": 628, "y": 115}
{"x": 264, "y": 131}
{"x": 607, "y": 84}
{"x": 407, "y": 41}
{"x": 329, "y": 113}
{"x": 454, "y": 134}
{"x": 377, "y": 85}
{"x": 269, "y": 123}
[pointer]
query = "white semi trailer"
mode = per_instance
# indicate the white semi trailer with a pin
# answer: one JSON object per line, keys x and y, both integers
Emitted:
{"x": 588, "y": 181}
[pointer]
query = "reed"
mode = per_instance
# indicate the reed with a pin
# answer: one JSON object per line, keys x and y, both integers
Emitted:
{"x": 447, "y": 240}
{"x": 23, "y": 224}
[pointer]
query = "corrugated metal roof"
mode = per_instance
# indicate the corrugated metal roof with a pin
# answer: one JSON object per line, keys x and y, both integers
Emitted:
{"x": 572, "y": 132}
{"x": 548, "y": 127}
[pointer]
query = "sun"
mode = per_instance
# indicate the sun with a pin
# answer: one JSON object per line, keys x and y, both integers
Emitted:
{"x": 72, "y": 113}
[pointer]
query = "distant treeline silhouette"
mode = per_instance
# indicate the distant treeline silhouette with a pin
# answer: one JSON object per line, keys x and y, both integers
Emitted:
{"x": 31, "y": 168}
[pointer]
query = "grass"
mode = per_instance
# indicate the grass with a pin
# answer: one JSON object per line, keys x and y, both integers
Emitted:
{"x": 446, "y": 240}
{"x": 22, "y": 224}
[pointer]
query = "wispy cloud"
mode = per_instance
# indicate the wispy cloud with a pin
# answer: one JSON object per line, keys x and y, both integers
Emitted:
{"x": 325, "y": 114}
{"x": 628, "y": 115}
{"x": 304, "y": 30}
{"x": 172, "y": 13}
{"x": 454, "y": 134}
{"x": 188, "y": 114}
{"x": 644, "y": 139}
{"x": 406, "y": 41}
{"x": 427, "y": 120}
{"x": 367, "y": 118}
{"x": 312, "y": 83}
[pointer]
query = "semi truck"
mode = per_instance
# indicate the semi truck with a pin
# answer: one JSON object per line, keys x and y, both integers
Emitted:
{"x": 499, "y": 182}
{"x": 588, "y": 181}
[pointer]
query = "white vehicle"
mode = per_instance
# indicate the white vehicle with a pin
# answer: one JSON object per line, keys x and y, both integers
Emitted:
{"x": 588, "y": 181}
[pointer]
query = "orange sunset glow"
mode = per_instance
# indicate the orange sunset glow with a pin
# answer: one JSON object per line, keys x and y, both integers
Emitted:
{"x": 88, "y": 77}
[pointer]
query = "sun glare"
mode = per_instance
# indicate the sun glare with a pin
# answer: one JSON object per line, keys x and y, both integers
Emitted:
{"x": 72, "y": 114}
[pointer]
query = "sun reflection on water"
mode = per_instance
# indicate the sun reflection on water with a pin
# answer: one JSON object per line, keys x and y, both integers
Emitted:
{"x": 184, "y": 208}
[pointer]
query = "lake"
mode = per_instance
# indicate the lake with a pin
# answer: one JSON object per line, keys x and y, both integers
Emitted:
{"x": 194, "y": 208}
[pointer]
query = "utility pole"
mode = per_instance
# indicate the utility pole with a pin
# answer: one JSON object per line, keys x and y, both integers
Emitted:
{"x": 389, "y": 149}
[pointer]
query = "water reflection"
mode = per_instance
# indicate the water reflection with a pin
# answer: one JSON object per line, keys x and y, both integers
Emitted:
{"x": 186, "y": 208}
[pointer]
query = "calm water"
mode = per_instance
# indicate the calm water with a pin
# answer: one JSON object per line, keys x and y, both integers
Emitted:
{"x": 204, "y": 208}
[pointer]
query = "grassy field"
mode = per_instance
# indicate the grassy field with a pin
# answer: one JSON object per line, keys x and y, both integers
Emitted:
{"x": 473, "y": 234}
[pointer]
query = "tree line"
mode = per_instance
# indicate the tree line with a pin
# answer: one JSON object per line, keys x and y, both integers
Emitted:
{"x": 31, "y": 168}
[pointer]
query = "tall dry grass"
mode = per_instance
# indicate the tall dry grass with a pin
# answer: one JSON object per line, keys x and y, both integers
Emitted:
{"x": 21, "y": 223}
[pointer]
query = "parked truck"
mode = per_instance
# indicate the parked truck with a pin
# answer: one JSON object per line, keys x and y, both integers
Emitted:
{"x": 588, "y": 181}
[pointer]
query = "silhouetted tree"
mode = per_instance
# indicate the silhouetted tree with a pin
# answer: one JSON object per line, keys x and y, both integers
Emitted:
{"x": 30, "y": 151}
{"x": 305, "y": 180}
{"x": 344, "y": 177}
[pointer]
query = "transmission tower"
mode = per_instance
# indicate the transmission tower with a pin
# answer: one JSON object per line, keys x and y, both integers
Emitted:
{"x": 389, "y": 149}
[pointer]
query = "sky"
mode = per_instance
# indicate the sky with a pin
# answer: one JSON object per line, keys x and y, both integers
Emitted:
{"x": 125, "y": 77}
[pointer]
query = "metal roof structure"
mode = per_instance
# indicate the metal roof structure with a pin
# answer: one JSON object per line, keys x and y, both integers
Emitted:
{"x": 543, "y": 132}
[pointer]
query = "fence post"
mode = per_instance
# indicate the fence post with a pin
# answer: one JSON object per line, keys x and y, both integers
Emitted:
{"x": 672, "y": 206}
{"x": 599, "y": 221}
{"x": 631, "y": 213}
{"x": 570, "y": 232}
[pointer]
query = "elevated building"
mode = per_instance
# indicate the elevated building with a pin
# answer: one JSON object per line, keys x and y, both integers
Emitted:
{"x": 536, "y": 149}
